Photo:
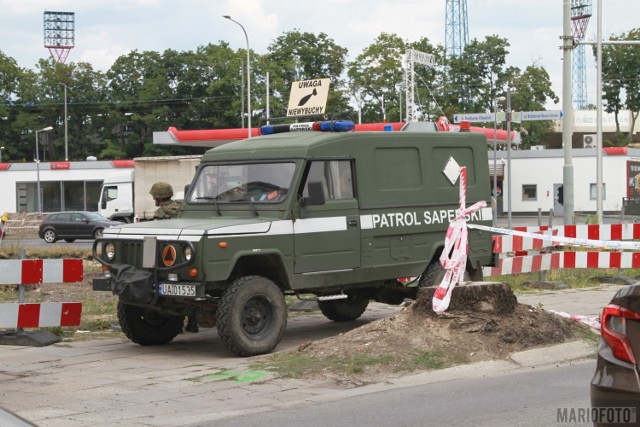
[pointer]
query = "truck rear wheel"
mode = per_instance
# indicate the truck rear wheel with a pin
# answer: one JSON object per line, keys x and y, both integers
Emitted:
{"x": 148, "y": 327}
{"x": 434, "y": 274}
{"x": 252, "y": 316}
{"x": 344, "y": 310}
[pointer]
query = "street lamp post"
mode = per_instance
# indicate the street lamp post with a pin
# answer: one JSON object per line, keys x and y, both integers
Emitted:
{"x": 248, "y": 73}
{"x": 47, "y": 129}
{"x": 66, "y": 142}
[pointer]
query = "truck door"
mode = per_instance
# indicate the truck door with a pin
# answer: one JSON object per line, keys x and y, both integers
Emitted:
{"x": 327, "y": 232}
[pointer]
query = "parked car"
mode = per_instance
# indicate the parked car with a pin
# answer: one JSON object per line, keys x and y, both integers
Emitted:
{"x": 615, "y": 387}
{"x": 73, "y": 225}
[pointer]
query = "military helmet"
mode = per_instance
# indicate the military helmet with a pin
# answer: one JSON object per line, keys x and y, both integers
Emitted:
{"x": 161, "y": 190}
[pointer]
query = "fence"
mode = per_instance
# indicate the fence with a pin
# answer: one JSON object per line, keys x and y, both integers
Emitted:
{"x": 27, "y": 272}
{"x": 522, "y": 250}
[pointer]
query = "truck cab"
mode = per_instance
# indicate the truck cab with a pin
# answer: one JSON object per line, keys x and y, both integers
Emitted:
{"x": 116, "y": 198}
{"x": 333, "y": 216}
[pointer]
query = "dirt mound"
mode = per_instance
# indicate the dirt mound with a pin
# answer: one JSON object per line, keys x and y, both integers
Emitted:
{"x": 485, "y": 323}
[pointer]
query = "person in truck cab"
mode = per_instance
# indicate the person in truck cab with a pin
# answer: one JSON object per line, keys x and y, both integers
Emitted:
{"x": 162, "y": 193}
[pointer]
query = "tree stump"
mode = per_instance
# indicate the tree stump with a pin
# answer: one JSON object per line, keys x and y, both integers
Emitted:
{"x": 487, "y": 297}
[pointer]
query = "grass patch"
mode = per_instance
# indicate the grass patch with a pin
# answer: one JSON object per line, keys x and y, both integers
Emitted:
{"x": 295, "y": 365}
{"x": 421, "y": 360}
{"x": 12, "y": 251}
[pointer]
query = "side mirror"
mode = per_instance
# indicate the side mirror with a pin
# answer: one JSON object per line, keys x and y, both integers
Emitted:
{"x": 316, "y": 195}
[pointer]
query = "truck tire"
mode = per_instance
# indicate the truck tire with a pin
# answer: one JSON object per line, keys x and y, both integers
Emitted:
{"x": 251, "y": 316}
{"x": 434, "y": 274}
{"x": 344, "y": 310}
{"x": 148, "y": 327}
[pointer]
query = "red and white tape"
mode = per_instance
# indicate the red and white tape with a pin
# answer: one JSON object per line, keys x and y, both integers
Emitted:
{"x": 602, "y": 232}
{"x": 454, "y": 255}
{"x": 592, "y": 321}
{"x": 556, "y": 239}
{"x": 40, "y": 315}
{"x": 36, "y": 271}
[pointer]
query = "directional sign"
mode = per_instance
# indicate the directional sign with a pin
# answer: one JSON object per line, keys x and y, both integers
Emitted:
{"x": 477, "y": 117}
{"x": 526, "y": 116}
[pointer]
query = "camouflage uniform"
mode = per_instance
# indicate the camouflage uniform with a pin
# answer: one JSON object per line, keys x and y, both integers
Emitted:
{"x": 166, "y": 210}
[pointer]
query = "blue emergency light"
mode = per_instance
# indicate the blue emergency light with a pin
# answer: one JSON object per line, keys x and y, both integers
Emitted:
{"x": 326, "y": 126}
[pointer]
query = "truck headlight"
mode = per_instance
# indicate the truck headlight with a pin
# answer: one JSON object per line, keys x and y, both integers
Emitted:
{"x": 109, "y": 251}
{"x": 187, "y": 253}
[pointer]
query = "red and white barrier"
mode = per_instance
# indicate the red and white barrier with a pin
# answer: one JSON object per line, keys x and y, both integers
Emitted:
{"x": 40, "y": 315}
{"x": 36, "y": 271}
{"x": 603, "y": 232}
{"x": 563, "y": 260}
{"x": 536, "y": 238}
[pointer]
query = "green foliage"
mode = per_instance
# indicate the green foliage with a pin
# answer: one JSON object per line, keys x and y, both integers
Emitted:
{"x": 113, "y": 114}
{"x": 620, "y": 83}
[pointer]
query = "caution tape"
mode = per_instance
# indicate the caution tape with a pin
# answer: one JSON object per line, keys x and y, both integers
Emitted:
{"x": 570, "y": 241}
{"x": 454, "y": 255}
{"x": 592, "y": 321}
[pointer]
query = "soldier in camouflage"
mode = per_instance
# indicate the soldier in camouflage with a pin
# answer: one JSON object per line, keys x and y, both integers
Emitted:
{"x": 167, "y": 208}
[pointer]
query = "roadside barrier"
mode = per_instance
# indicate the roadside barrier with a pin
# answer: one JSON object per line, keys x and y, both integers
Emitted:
{"x": 513, "y": 247}
{"x": 28, "y": 272}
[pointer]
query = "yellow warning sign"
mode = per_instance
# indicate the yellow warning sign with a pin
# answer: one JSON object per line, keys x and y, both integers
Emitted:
{"x": 308, "y": 97}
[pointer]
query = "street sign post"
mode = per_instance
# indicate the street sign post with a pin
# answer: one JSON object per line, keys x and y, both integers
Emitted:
{"x": 527, "y": 116}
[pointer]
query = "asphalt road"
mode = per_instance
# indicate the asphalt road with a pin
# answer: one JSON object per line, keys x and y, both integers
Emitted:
{"x": 526, "y": 397}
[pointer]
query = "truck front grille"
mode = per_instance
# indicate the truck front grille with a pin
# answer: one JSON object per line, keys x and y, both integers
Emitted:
{"x": 132, "y": 253}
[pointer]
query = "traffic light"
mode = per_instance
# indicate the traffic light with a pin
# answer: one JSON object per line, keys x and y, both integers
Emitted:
{"x": 561, "y": 195}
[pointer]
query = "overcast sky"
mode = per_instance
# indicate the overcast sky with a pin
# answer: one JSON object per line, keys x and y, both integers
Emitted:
{"x": 106, "y": 29}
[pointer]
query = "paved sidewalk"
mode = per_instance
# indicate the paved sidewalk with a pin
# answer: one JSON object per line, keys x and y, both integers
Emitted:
{"x": 112, "y": 382}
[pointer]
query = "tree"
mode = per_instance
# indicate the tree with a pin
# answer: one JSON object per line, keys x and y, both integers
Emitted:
{"x": 620, "y": 82}
{"x": 530, "y": 91}
{"x": 296, "y": 56}
{"x": 476, "y": 77}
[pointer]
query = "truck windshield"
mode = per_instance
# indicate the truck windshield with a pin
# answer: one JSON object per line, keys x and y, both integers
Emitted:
{"x": 254, "y": 182}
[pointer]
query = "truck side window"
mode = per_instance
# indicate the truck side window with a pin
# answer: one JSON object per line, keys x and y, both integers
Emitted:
{"x": 336, "y": 177}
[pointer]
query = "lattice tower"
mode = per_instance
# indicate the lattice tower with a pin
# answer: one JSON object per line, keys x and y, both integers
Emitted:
{"x": 580, "y": 14}
{"x": 456, "y": 27}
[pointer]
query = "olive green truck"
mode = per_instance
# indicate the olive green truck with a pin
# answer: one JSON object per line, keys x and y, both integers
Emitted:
{"x": 336, "y": 217}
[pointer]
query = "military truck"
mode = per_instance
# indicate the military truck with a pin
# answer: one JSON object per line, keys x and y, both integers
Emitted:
{"x": 336, "y": 217}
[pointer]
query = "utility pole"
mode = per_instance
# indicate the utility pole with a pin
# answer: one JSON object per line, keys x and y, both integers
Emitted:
{"x": 567, "y": 111}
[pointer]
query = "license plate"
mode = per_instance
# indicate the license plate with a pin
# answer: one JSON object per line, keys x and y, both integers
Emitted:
{"x": 177, "y": 290}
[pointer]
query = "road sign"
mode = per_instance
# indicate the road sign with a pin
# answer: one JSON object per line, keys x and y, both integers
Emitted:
{"x": 308, "y": 97}
{"x": 526, "y": 116}
{"x": 477, "y": 117}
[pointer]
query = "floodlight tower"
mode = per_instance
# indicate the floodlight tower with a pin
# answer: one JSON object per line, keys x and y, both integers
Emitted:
{"x": 456, "y": 28}
{"x": 580, "y": 14}
{"x": 59, "y": 34}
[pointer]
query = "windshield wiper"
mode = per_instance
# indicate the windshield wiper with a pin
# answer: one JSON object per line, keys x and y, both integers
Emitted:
{"x": 215, "y": 202}
{"x": 250, "y": 200}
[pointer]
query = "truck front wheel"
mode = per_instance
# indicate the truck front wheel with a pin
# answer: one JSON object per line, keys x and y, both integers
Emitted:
{"x": 252, "y": 316}
{"x": 148, "y": 327}
{"x": 344, "y": 310}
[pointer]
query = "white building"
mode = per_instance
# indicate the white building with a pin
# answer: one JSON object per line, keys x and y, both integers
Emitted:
{"x": 63, "y": 185}
{"x": 537, "y": 175}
